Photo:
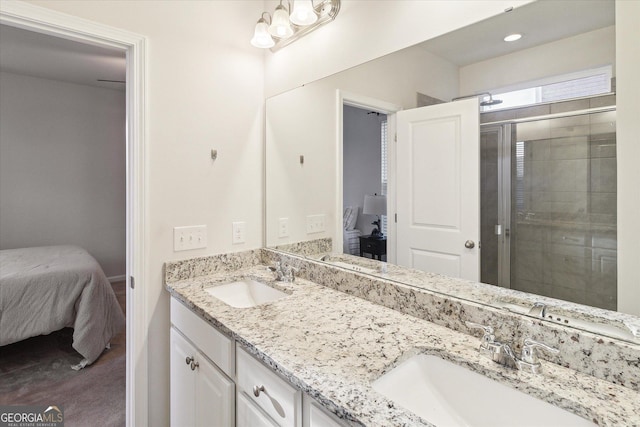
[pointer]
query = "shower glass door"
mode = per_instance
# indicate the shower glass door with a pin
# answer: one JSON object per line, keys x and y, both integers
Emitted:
{"x": 548, "y": 211}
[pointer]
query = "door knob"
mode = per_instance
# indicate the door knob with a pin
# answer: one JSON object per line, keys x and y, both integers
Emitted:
{"x": 469, "y": 244}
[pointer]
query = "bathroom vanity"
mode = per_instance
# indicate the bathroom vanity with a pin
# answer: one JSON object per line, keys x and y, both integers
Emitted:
{"x": 315, "y": 354}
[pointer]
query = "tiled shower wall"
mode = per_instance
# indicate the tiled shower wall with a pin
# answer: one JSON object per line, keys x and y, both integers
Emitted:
{"x": 563, "y": 204}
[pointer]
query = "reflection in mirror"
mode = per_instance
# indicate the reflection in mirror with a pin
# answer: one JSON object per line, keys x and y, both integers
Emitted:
{"x": 547, "y": 220}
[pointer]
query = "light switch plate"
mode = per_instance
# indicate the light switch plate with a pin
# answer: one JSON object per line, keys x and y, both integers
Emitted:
{"x": 283, "y": 227}
{"x": 188, "y": 238}
{"x": 239, "y": 230}
{"x": 315, "y": 223}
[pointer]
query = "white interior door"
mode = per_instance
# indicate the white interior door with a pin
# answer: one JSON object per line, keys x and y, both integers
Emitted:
{"x": 438, "y": 189}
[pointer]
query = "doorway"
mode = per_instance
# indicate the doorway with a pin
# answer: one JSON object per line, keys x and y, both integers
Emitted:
{"x": 364, "y": 174}
{"x": 372, "y": 121}
{"x": 33, "y": 18}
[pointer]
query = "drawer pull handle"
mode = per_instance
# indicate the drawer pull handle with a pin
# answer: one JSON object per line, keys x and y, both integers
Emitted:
{"x": 257, "y": 390}
{"x": 189, "y": 360}
{"x": 194, "y": 365}
{"x": 276, "y": 405}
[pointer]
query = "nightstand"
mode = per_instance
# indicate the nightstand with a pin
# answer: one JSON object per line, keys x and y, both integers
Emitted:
{"x": 374, "y": 246}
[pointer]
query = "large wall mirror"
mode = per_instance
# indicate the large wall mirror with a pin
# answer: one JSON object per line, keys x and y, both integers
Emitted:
{"x": 544, "y": 171}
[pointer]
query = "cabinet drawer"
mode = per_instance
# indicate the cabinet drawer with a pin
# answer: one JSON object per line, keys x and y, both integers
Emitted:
{"x": 367, "y": 246}
{"x": 215, "y": 345}
{"x": 248, "y": 414}
{"x": 279, "y": 400}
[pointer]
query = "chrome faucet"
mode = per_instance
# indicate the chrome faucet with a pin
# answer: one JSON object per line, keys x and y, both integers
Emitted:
{"x": 284, "y": 272}
{"x": 503, "y": 354}
{"x": 539, "y": 309}
{"x": 497, "y": 351}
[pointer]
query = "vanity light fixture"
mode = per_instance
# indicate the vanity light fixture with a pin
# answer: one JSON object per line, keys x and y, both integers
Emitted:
{"x": 281, "y": 29}
{"x": 261, "y": 37}
{"x": 512, "y": 37}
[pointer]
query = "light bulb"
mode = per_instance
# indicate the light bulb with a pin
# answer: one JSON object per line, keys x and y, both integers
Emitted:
{"x": 280, "y": 26}
{"x": 261, "y": 37}
{"x": 303, "y": 13}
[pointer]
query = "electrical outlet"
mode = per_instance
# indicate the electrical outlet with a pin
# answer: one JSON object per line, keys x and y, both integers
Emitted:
{"x": 239, "y": 232}
{"x": 188, "y": 238}
{"x": 315, "y": 223}
{"x": 283, "y": 227}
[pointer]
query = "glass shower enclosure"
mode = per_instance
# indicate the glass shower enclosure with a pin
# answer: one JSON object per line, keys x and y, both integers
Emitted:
{"x": 548, "y": 206}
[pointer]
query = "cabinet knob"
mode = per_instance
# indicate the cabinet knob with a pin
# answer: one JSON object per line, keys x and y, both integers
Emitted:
{"x": 257, "y": 390}
{"x": 189, "y": 360}
{"x": 194, "y": 365}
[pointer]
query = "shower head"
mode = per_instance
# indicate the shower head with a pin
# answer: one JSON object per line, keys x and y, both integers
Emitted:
{"x": 490, "y": 101}
{"x": 486, "y": 103}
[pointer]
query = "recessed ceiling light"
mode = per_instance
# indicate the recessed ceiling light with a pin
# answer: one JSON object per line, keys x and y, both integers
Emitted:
{"x": 513, "y": 37}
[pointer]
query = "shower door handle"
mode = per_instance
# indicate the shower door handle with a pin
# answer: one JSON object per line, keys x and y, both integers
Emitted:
{"x": 469, "y": 244}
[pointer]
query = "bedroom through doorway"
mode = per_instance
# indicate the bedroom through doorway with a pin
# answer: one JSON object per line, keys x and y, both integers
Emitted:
{"x": 64, "y": 183}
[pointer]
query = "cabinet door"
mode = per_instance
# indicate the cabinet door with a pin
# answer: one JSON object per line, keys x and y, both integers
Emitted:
{"x": 214, "y": 396}
{"x": 182, "y": 384}
{"x": 315, "y": 416}
{"x": 249, "y": 415}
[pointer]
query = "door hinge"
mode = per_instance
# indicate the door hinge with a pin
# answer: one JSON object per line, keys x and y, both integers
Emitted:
{"x": 395, "y": 137}
{"x": 132, "y": 282}
{"x": 395, "y": 218}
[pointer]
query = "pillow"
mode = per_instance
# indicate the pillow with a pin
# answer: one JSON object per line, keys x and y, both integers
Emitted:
{"x": 345, "y": 217}
{"x": 351, "y": 218}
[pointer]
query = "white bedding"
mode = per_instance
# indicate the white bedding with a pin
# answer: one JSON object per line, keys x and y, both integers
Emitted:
{"x": 44, "y": 289}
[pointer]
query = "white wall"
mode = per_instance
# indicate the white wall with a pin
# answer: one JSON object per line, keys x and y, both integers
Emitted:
{"x": 628, "y": 155}
{"x": 304, "y": 121}
{"x": 362, "y": 161}
{"x": 585, "y": 51}
{"x": 62, "y": 167}
{"x": 205, "y": 90}
{"x": 367, "y": 29}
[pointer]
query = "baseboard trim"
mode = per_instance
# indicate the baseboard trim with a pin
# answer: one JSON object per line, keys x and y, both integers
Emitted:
{"x": 114, "y": 279}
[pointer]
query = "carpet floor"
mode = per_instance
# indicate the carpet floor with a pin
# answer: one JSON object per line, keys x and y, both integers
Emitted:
{"x": 37, "y": 371}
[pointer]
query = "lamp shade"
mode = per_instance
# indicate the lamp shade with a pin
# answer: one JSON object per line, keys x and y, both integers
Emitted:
{"x": 280, "y": 26}
{"x": 261, "y": 37}
{"x": 302, "y": 13}
{"x": 375, "y": 205}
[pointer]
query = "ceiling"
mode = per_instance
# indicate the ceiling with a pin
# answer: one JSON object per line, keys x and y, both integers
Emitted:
{"x": 540, "y": 22}
{"x": 41, "y": 55}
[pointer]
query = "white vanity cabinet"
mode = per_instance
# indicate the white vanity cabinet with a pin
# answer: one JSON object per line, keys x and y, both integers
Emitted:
{"x": 266, "y": 400}
{"x": 261, "y": 391}
{"x": 201, "y": 392}
{"x": 204, "y": 363}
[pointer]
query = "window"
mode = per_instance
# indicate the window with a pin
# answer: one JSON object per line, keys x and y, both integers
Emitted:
{"x": 568, "y": 86}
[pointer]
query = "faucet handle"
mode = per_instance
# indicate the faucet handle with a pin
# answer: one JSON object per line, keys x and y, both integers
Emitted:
{"x": 488, "y": 336}
{"x": 529, "y": 354}
{"x": 277, "y": 270}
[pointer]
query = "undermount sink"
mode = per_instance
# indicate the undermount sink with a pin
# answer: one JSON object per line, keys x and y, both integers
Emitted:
{"x": 447, "y": 394}
{"x": 245, "y": 293}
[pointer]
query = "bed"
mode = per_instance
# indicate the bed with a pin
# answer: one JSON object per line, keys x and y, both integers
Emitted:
{"x": 44, "y": 289}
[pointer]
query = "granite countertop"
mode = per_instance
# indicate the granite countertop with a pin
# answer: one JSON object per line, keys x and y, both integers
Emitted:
{"x": 332, "y": 346}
